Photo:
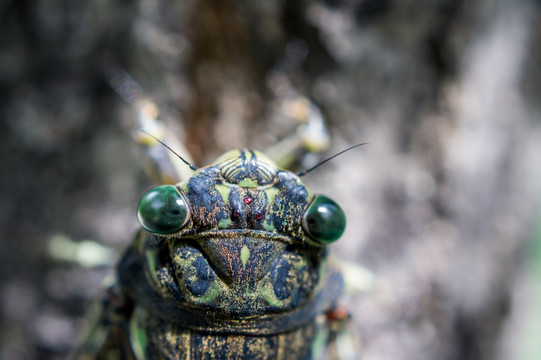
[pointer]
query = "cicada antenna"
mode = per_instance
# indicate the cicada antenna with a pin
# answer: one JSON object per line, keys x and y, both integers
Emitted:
{"x": 304, "y": 172}
{"x": 190, "y": 165}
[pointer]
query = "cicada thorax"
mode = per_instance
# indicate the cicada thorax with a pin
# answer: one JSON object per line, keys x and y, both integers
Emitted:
{"x": 239, "y": 273}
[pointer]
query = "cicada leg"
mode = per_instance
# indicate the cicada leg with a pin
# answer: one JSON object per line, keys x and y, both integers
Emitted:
{"x": 338, "y": 339}
{"x": 105, "y": 334}
{"x": 161, "y": 164}
{"x": 309, "y": 134}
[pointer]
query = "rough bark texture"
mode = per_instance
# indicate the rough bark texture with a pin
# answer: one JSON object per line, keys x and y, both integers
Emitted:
{"x": 441, "y": 204}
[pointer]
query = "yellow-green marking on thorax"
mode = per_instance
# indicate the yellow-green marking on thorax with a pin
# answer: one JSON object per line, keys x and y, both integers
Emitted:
{"x": 224, "y": 191}
{"x": 248, "y": 183}
{"x": 271, "y": 193}
{"x": 244, "y": 255}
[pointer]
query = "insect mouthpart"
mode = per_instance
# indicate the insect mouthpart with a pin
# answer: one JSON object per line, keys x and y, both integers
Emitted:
{"x": 242, "y": 257}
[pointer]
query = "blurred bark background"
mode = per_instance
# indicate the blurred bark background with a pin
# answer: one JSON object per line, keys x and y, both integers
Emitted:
{"x": 442, "y": 205}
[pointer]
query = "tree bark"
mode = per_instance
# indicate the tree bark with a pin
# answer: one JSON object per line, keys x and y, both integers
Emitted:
{"x": 441, "y": 204}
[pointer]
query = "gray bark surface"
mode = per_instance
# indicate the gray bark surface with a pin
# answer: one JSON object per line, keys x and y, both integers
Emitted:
{"x": 441, "y": 205}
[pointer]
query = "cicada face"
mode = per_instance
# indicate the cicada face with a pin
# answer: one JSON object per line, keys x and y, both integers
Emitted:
{"x": 240, "y": 238}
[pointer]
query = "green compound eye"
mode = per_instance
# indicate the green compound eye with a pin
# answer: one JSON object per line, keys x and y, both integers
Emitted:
{"x": 162, "y": 210}
{"x": 324, "y": 221}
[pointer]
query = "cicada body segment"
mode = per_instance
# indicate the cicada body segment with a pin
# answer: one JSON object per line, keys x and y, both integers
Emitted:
{"x": 228, "y": 265}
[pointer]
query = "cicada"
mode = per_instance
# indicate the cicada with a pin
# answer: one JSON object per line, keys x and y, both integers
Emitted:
{"x": 230, "y": 263}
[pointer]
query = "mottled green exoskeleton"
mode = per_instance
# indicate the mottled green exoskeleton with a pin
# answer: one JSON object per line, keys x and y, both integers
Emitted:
{"x": 231, "y": 264}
